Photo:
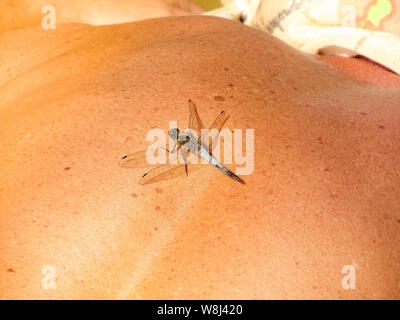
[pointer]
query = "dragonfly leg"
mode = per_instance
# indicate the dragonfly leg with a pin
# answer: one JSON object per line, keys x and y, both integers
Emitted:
{"x": 173, "y": 149}
{"x": 184, "y": 159}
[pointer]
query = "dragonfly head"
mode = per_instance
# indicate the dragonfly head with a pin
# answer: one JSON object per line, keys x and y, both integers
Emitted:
{"x": 174, "y": 133}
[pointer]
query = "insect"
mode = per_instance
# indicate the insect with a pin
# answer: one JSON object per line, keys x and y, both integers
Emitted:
{"x": 186, "y": 145}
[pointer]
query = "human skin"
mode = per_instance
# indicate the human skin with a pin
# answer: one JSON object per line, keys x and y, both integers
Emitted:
{"x": 324, "y": 193}
{"x": 17, "y": 14}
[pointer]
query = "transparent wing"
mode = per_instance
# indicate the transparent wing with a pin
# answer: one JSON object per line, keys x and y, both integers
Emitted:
{"x": 168, "y": 171}
{"x": 219, "y": 121}
{"x": 162, "y": 172}
{"x": 138, "y": 159}
{"x": 214, "y": 130}
{"x": 194, "y": 119}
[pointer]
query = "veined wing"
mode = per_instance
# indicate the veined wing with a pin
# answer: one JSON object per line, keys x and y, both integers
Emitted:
{"x": 138, "y": 159}
{"x": 194, "y": 119}
{"x": 169, "y": 170}
{"x": 162, "y": 172}
{"x": 196, "y": 125}
{"x": 213, "y": 131}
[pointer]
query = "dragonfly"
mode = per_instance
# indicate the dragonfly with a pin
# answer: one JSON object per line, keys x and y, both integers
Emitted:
{"x": 186, "y": 144}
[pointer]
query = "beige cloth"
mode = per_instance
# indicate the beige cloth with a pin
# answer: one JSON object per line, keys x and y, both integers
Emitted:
{"x": 324, "y": 26}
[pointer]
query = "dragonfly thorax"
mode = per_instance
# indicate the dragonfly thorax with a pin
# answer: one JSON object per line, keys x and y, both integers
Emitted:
{"x": 184, "y": 138}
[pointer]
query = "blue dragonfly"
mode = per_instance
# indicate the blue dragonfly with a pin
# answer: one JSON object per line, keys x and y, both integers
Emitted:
{"x": 186, "y": 145}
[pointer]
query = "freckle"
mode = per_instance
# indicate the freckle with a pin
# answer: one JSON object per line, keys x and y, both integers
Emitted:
{"x": 155, "y": 228}
{"x": 159, "y": 190}
{"x": 363, "y": 113}
{"x": 127, "y": 97}
{"x": 134, "y": 195}
{"x": 226, "y": 69}
{"x": 155, "y": 109}
{"x": 67, "y": 168}
{"x": 158, "y": 208}
{"x": 271, "y": 91}
{"x": 327, "y": 169}
{"x": 381, "y": 127}
{"x": 10, "y": 270}
{"x": 230, "y": 85}
{"x": 165, "y": 73}
{"x": 297, "y": 263}
{"x": 231, "y": 97}
{"x": 398, "y": 220}
{"x": 219, "y": 98}
{"x": 273, "y": 164}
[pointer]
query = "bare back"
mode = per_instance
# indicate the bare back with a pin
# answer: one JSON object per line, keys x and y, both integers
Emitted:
{"x": 324, "y": 193}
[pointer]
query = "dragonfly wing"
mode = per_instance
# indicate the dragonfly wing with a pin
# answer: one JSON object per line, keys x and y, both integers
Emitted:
{"x": 219, "y": 121}
{"x": 170, "y": 170}
{"x": 214, "y": 130}
{"x": 194, "y": 119}
{"x": 134, "y": 160}
{"x": 162, "y": 172}
{"x": 138, "y": 159}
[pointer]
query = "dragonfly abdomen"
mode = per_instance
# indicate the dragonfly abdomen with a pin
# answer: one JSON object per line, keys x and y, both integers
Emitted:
{"x": 212, "y": 160}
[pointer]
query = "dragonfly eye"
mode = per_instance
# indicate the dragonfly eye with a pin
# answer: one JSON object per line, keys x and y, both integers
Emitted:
{"x": 174, "y": 133}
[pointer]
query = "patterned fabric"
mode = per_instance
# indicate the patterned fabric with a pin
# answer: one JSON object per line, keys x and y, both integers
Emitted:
{"x": 338, "y": 27}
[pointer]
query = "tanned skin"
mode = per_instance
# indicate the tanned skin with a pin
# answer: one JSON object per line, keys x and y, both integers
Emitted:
{"x": 324, "y": 193}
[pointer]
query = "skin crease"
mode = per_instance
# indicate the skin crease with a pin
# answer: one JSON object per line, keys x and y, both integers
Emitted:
{"x": 323, "y": 195}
